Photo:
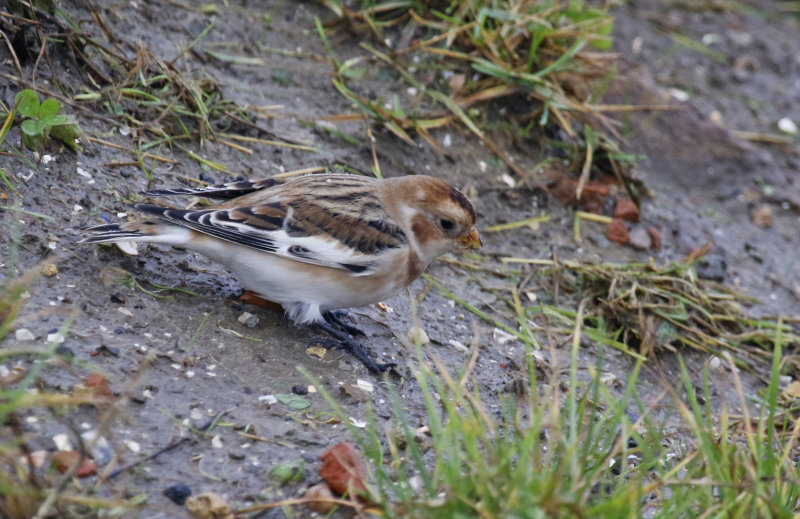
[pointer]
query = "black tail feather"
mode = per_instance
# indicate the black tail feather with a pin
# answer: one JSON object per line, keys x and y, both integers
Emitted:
{"x": 225, "y": 191}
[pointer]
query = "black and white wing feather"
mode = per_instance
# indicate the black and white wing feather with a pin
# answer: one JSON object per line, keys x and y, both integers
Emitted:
{"x": 346, "y": 229}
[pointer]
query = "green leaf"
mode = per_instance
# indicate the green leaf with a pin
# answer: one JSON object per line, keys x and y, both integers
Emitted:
{"x": 33, "y": 127}
{"x": 49, "y": 107}
{"x": 67, "y": 133}
{"x": 293, "y": 401}
{"x": 28, "y": 103}
{"x": 33, "y": 142}
{"x": 54, "y": 119}
{"x": 288, "y": 471}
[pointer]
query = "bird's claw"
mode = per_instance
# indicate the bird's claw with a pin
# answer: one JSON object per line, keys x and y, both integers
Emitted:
{"x": 344, "y": 341}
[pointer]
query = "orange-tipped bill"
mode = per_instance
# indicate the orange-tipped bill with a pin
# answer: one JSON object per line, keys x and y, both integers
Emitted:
{"x": 471, "y": 240}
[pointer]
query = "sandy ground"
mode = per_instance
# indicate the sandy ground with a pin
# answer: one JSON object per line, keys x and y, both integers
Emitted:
{"x": 185, "y": 359}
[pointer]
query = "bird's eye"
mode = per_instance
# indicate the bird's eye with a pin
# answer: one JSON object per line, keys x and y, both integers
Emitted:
{"x": 446, "y": 224}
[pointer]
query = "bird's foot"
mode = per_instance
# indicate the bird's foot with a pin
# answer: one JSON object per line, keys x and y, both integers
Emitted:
{"x": 345, "y": 342}
{"x": 334, "y": 318}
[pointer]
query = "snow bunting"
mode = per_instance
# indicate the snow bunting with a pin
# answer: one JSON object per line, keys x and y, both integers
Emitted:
{"x": 317, "y": 243}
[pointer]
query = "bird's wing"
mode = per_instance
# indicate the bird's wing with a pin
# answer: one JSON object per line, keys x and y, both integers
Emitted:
{"x": 225, "y": 191}
{"x": 339, "y": 224}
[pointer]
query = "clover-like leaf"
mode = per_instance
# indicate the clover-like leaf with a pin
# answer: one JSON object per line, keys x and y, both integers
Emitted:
{"x": 54, "y": 119}
{"x": 33, "y": 127}
{"x": 49, "y": 107}
{"x": 28, "y": 103}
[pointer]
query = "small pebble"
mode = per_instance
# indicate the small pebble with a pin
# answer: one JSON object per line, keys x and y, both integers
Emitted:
{"x": 65, "y": 351}
{"x": 178, "y": 493}
{"x": 23, "y": 334}
{"x": 268, "y": 399}
{"x": 55, "y": 338}
{"x": 322, "y": 492}
{"x": 49, "y": 270}
{"x": 248, "y": 319}
{"x": 62, "y": 442}
{"x": 418, "y": 336}
{"x": 236, "y": 455}
{"x": 300, "y": 389}
{"x": 639, "y": 238}
{"x": 365, "y": 385}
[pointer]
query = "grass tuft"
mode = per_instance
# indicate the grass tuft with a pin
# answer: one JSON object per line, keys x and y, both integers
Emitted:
{"x": 537, "y": 63}
{"x": 568, "y": 447}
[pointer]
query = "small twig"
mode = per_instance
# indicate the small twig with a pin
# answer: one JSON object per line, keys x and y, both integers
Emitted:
{"x": 11, "y": 50}
{"x": 123, "y": 148}
{"x": 38, "y": 58}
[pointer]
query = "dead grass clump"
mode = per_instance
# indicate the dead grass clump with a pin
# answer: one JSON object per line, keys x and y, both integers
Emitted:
{"x": 657, "y": 308}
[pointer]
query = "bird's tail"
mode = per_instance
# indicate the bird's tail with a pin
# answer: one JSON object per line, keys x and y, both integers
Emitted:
{"x": 109, "y": 233}
{"x": 136, "y": 231}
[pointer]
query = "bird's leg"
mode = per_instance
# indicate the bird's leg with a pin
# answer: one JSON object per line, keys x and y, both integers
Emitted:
{"x": 334, "y": 318}
{"x": 345, "y": 341}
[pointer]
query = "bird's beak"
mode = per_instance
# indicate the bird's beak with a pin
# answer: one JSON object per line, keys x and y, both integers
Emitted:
{"x": 471, "y": 240}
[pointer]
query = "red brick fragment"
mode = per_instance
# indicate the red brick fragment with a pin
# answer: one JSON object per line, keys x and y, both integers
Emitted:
{"x": 593, "y": 195}
{"x": 655, "y": 237}
{"x": 617, "y": 231}
{"x": 62, "y": 461}
{"x": 627, "y": 210}
{"x": 100, "y": 389}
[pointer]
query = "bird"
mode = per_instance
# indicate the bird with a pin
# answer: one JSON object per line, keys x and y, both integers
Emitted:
{"x": 316, "y": 244}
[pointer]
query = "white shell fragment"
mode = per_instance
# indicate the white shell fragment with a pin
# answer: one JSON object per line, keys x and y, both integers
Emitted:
{"x": 23, "y": 334}
{"x": 62, "y": 442}
{"x": 786, "y": 125}
{"x": 365, "y": 385}
{"x": 55, "y": 338}
{"x": 268, "y": 399}
{"x": 129, "y": 248}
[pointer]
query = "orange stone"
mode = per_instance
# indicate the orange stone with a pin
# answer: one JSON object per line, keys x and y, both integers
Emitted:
{"x": 627, "y": 210}
{"x": 343, "y": 468}
{"x": 100, "y": 389}
{"x": 617, "y": 231}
